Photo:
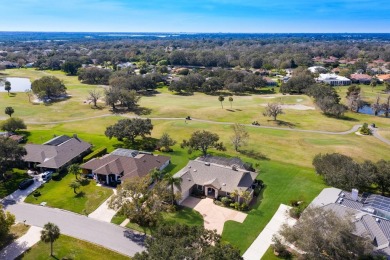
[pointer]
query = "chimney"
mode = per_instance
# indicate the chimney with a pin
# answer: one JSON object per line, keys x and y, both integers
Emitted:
{"x": 355, "y": 194}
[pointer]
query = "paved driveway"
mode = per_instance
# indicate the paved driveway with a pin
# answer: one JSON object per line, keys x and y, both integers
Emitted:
{"x": 214, "y": 216}
{"x": 102, "y": 233}
{"x": 264, "y": 240}
{"x": 21, "y": 195}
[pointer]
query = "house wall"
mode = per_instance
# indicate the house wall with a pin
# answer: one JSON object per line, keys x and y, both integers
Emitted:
{"x": 164, "y": 165}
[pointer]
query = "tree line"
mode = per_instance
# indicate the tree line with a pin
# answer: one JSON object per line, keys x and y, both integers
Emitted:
{"x": 343, "y": 172}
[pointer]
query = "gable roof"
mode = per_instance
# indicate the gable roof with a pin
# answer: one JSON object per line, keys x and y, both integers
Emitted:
{"x": 55, "y": 153}
{"x": 221, "y": 177}
{"x": 126, "y": 165}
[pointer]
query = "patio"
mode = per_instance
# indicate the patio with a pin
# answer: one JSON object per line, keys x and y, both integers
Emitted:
{"x": 214, "y": 216}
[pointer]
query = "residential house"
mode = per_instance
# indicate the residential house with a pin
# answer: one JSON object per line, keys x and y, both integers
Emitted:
{"x": 56, "y": 153}
{"x": 334, "y": 80}
{"x": 361, "y": 78}
{"x": 370, "y": 214}
{"x": 317, "y": 69}
{"x": 270, "y": 82}
{"x": 383, "y": 78}
{"x": 123, "y": 164}
{"x": 214, "y": 178}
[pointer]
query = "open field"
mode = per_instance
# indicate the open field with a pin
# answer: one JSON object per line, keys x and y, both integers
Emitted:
{"x": 70, "y": 248}
{"x": 244, "y": 109}
{"x": 58, "y": 194}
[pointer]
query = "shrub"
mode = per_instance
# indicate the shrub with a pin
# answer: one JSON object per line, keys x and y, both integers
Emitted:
{"x": 364, "y": 130}
{"x": 98, "y": 152}
{"x": 37, "y": 194}
{"x": 56, "y": 176}
{"x": 226, "y": 201}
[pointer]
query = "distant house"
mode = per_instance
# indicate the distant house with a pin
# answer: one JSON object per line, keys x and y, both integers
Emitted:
{"x": 334, "y": 80}
{"x": 214, "y": 178}
{"x": 270, "y": 82}
{"x": 385, "y": 77}
{"x": 10, "y": 135}
{"x": 123, "y": 164}
{"x": 370, "y": 213}
{"x": 361, "y": 78}
{"x": 317, "y": 69}
{"x": 57, "y": 153}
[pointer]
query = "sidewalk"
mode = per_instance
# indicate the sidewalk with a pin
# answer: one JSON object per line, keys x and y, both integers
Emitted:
{"x": 103, "y": 212}
{"x": 264, "y": 240}
{"x": 23, "y": 243}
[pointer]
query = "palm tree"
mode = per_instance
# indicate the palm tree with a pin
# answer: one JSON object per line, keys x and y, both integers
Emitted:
{"x": 172, "y": 181}
{"x": 221, "y": 99}
{"x": 9, "y": 111}
{"x": 231, "y": 102}
{"x": 156, "y": 174}
{"x": 49, "y": 234}
{"x": 7, "y": 86}
{"x": 74, "y": 169}
{"x": 74, "y": 185}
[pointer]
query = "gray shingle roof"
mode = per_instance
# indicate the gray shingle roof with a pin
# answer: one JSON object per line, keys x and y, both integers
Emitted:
{"x": 55, "y": 156}
{"x": 221, "y": 177}
{"x": 139, "y": 166}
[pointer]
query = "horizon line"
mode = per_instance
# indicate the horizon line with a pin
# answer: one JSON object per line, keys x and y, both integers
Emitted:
{"x": 167, "y": 32}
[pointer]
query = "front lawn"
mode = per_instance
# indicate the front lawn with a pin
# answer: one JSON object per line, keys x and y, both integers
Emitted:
{"x": 283, "y": 182}
{"x": 58, "y": 194}
{"x": 7, "y": 186}
{"x": 70, "y": 248}
{"x": 185, "y": 216}
{"x": 16, "y": 231}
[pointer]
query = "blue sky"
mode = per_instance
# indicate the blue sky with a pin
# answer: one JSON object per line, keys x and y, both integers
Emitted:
{"x": 196, "y": 15}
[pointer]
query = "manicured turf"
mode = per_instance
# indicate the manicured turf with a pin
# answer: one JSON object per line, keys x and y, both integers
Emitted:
{"x": 283, "y": 182}
{"x": 10, "y": 185}
{"x": 58, "y": 194}
{"x": 183, "y": 215}
{"x": 70, "y": 248}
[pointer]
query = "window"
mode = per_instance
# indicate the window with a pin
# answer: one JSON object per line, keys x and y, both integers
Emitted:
{"x": 199, "y": 187}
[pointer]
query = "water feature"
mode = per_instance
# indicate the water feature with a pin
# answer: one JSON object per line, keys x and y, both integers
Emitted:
{"x": 17, "y": 84}
{"x": 368, "y": 110}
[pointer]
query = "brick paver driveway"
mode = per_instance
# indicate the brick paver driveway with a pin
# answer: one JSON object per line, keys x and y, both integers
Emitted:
{"x": 214, "y": 216}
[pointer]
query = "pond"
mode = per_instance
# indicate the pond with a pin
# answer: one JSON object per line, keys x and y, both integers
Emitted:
{"x": 368, "y": 110}
{"x": 17, "y": 84}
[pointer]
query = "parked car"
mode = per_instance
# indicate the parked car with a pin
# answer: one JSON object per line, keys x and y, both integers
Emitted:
{"x": 89, "y": 175}
{"x": 47, "y": 175}
{"x": 26, "y": 183}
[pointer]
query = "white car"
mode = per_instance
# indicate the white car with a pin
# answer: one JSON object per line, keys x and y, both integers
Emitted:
{"x": 47, "y": 175}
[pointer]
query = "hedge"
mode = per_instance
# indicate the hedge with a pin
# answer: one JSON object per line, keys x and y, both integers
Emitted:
{"x": 98, "y": 152}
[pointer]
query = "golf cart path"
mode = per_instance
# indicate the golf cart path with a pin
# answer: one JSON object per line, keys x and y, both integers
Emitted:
{"x": 352, "y": 130}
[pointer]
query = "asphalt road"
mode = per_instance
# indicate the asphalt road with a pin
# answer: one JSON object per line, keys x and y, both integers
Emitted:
{"x": 108, "y": 235}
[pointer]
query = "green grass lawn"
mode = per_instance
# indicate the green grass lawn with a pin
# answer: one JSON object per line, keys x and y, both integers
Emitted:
{"x": 70, "y": 248}
{"x": 269, "y": 255}
{"x": 185, "y": 216}
{"x": 7, "y": 186}
{"x": 283, "y": 182}
{"x": 57, "y": 194}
